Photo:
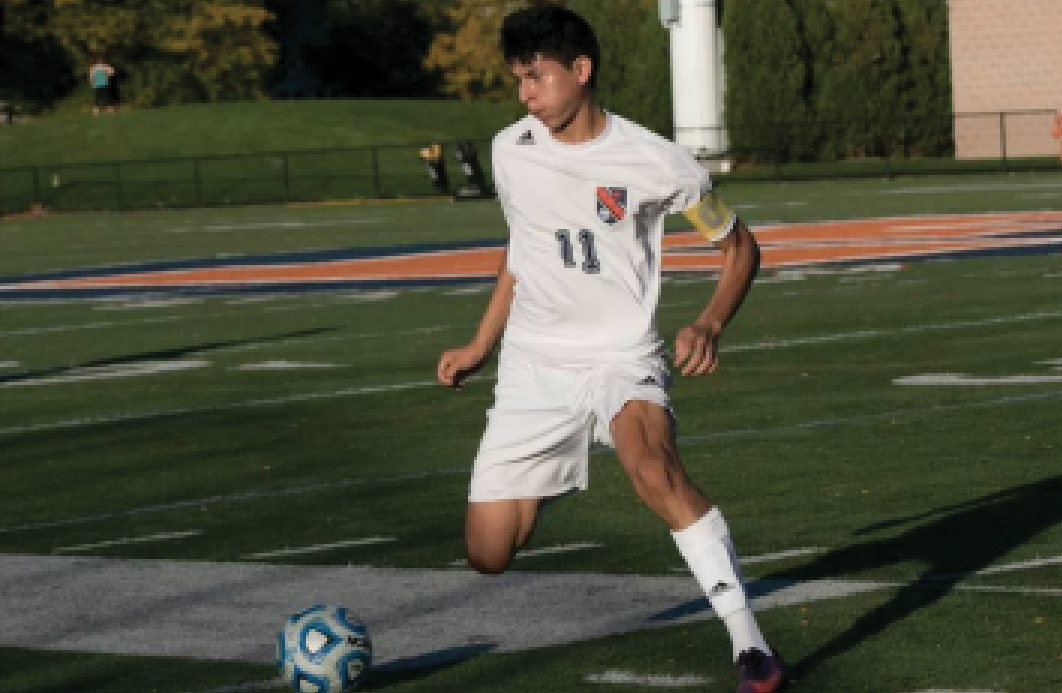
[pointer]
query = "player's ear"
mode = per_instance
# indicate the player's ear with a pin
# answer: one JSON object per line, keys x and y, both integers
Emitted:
{"x": 583, "y": 68}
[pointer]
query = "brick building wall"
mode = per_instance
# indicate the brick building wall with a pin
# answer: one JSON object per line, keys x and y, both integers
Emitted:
{"x": 1006, "y": 55}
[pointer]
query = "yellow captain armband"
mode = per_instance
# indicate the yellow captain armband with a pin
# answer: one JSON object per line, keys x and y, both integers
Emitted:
{"x": 710, "y": 217}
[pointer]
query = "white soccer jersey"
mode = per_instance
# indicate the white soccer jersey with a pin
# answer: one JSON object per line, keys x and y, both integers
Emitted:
{"x": 586, "y": 225}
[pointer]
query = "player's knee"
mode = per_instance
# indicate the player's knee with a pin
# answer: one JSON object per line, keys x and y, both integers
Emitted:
{"x": 487, "y": 562}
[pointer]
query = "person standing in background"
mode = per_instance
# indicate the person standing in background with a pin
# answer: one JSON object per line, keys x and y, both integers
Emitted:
{"x": 100, "y": 77}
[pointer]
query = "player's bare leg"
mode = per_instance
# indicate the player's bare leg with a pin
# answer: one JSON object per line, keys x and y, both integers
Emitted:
{"x": 496, "y": 530}
{"x": 645, "y": 442}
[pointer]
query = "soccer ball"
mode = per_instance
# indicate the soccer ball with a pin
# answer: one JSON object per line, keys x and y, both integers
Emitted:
{"x": 323, "y": 649}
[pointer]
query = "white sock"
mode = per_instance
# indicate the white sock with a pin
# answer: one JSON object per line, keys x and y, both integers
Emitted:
{"x": 710, "y": 555}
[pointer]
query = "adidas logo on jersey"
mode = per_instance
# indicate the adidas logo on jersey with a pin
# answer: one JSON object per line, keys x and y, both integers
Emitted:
{"x": 527, "y": 138}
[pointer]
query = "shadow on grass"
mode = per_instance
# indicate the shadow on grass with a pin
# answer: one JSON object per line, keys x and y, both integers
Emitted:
{"x": 953, "y": 543}
{"x": 421, "y": 666}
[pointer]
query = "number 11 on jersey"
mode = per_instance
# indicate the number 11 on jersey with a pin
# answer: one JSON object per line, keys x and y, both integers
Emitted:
{"x": 591, "y": 265}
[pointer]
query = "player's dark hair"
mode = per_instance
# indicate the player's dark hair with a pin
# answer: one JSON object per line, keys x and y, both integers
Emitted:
{"x": 550, "y": 31}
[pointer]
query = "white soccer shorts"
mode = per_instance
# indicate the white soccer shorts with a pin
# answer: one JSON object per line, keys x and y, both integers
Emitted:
{"x": 538, "y": 435}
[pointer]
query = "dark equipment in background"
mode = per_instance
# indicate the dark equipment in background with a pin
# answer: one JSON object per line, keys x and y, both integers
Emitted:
{"x": 432, "y": 156}
{"x": 476, "y": 186}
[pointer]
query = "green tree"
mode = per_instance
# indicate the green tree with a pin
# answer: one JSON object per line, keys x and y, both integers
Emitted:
{"x": 467, "y": 55}
{"x": 867, "y": 78}
{"x": 166, "y": 51}
{"x": 928, "y": 104}
{"x": 767, "y": 80}
{"x": 376, "y": 48}
{"x": 635, "y": 76}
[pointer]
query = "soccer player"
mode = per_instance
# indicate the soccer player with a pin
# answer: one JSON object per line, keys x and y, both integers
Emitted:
{"x": 585, "y": 193}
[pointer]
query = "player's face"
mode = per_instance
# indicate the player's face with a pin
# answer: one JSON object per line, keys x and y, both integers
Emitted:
{"x": 552, "y": 92}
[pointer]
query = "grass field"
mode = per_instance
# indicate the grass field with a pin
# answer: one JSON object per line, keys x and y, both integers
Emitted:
{"x": 237, "y": 129}
{"x": 211, "y": 438}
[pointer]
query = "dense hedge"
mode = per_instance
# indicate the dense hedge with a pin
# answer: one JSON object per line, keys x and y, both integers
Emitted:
{"x": 822, "y": 80}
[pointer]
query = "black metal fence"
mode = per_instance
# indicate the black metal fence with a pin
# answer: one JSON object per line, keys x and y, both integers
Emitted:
{"x": 267, "y": 178}
{"x": 982, "y": 143}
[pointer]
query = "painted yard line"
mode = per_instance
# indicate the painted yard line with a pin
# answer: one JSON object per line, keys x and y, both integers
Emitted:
{"x": 128, "y": 370}
{"x": 563, "y": 548}
{"x": 283, "y": 366}
{"x": 544, "y": 551}
{"x": 247, "y": 404}
{"x": 300, "y": 551}
{"x": 251, "y": 687}
{"x": 910, "y": 329}
{"x": 231, "y": 611}
{"x": 768, "y": 557}
{"x": 963, "y": 380}
{"x": 818, "y": 339}
{"x": 1011, "y": 567}
{"x": 869, "y": 418}
{"x": 228, "y": 498}
{"x": 166, "y": 536}
{"x": 781, "y": 555}
{"x": 30, "y": 331}
{"x": 279, "y": 225}
{"x": 985, "y": 187}
{"x": 616, "y": 677}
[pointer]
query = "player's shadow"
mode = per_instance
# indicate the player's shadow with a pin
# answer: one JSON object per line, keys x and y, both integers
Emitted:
{"x": 84, "y": 369}
{"x": 952, "y": 543}
{"x": 421, "y": 666}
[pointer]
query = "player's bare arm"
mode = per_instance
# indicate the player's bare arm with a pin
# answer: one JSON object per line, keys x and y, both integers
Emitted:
{"x": 697, "y": 345}
{"x": 457, "y": 364}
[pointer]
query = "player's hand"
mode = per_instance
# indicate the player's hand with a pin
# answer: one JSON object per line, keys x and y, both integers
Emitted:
{"x": 696, "y": 350}
{"x": 455, "y": 365}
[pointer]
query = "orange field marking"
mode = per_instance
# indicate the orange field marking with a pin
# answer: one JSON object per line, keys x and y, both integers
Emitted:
{"x": 783, "y": 245}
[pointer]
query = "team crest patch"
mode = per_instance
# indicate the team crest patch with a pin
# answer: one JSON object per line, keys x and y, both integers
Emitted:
{"x": 611, "y": 204}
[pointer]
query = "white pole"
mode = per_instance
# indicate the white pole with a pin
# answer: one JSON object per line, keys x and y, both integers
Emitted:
{"x": 697, "y": 77}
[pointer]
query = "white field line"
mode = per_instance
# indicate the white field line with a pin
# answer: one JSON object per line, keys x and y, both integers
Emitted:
{"x": 984, "y": 187}
{"x": 250, "y": 687}
{"x": 128, "y": 370}
{"x": 228, "y": 498}
{"x": 230, "y": 611}
{"x": 564, "y": 548}
{"x": 910, "y": 329}
{"x": 166, "y": 536}
{"x": 781, "y": 555}
{"x": 278, "y": 225}
{"x": 868, "y": 418}
{"x": 544, "y": 551}
{"x": 768, "y": 557}
{"x": 318, "y": 548}
{"x": 247, "y": 404}
{"x": 382, "y": 389}
{"x": 283, "y": 366}
{"x": 1011, "y": 567}
{"x": 33, "y": 331}
{"x": 973, "y": 381}
{"x": 141, "y": 304}
{"x": 627, "y": 678}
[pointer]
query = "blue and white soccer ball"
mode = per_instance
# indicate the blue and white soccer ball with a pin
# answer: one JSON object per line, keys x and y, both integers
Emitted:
{"x": 323, "y": 649}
